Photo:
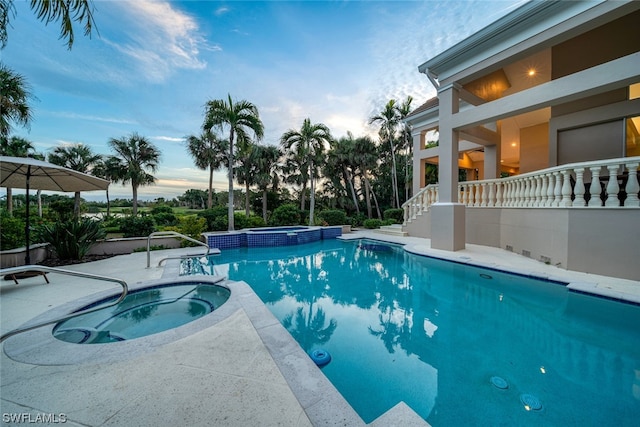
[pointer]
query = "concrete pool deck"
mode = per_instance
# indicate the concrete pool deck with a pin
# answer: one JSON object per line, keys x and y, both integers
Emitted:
{"x": 242, "y": 369}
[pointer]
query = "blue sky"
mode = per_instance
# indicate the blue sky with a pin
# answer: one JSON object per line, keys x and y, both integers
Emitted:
{"x": 153, "y": 65}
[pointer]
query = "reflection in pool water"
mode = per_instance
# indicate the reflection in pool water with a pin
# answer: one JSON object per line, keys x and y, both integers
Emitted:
{"x": 431, "y": 333}
{"x": 143, "y": 312}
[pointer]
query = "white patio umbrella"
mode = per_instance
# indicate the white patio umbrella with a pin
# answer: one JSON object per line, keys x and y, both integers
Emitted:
{"x": 24, "y": 172}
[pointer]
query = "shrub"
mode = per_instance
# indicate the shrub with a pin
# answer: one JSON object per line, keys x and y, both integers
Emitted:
{"x": 161, "y": 209}
{"x": 62, "y": 209}
{"x": 388, "y": 222}
{"x": 137, "y": 226}
{"x": 372, "y": 223}
{"x": 214, "y": 218}
{"x": 255, "y": 221}
{"x": 333, "y": 216}
{"x": 397, "y": 215}
{"x": 72, "y": 239}
{"x": 285, "y": 215}
{"x": 239, "y": 221}
{"x": 191, "y": 226}
{"x": 167, "y": 218}
{"x": 12, "y": 231}
{"x": 358, "y": 219}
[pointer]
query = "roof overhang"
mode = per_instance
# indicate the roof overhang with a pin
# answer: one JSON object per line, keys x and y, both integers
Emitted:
{"x": 533, "y": 26}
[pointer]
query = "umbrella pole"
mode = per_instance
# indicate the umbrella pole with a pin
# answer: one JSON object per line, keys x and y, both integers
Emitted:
{"x": 27, "y": 258}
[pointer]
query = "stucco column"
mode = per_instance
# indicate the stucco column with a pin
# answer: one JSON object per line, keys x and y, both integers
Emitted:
{"x": 492, "y": 161}
{"x": 418, "y": 168}
{"x": 448, "y": 216}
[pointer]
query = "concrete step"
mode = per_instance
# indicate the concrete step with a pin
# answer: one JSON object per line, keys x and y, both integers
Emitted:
{"x": 393, "y": 229}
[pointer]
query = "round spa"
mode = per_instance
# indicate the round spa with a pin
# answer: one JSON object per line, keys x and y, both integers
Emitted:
{"x": 143, "y": 312}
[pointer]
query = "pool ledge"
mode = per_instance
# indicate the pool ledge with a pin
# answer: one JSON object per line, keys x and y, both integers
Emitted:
{"x": 623, "y": 290}
{"x": 39, "y": 347}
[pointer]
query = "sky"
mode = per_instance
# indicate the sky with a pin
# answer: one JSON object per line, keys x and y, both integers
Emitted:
{"x": 151, "y": 66}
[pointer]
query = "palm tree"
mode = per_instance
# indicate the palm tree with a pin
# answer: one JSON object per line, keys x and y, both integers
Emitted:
{"x": 109, "y": 168}
{"x": 239, "y": 118}
{"x": 78, "y": 157}
{"x": 16, "y": 147}
{"x": 366, "y": 158}
{"x": 246, "y": 170}
{"x": 310, "y": 140}
{"x": 15, "y": 93}
{"x": 208, "y": 152}
{"x": 296, "y": 172}
{"x": 388, "y": 119}
{"x": 403, "y": 111}
{"x": 341, "y": 155}
{"x": 137, "y": 155}
{"x": 266, "y": 160}
{"x": 65, "y": 11}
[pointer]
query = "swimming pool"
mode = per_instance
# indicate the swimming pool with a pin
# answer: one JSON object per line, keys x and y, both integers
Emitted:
{"x": 143, "y": 312}
{"x": 460, "y": 345}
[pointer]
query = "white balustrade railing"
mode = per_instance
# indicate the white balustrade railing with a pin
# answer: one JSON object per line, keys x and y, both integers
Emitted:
{"x": 608, "y": 183}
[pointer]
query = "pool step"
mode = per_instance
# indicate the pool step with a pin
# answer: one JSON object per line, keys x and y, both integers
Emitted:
{"x": 393, "y": 230}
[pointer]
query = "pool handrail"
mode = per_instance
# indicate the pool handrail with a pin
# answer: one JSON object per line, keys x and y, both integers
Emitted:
{"x": 158, "y": 234}
{"x": 44, "y": 269}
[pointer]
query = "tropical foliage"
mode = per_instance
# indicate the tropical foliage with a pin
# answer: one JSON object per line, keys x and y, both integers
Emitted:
{"x": 308, "y": 143}
{"x": 71, "y": 239}
{"x": 15, "y": 94}
{"x": 78, "y": 157}
{"x": 209, "y": 153}
{"x": 138, "y": 157}
{"x": 65, "y": 11}
{"x": 240, "y": 119}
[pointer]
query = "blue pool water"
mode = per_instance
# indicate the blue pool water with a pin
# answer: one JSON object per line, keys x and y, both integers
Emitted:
{"x": 143, "y": 312}
{"x": 460, "y": 345}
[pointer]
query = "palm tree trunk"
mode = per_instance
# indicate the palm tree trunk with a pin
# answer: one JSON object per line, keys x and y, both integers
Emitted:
{"x": 210, "y": 199}
{"x": 367, "y": 192}
{"x": 302, "y": 195}
{"x": 353, "y": 191}
{"x": 312, "y": 196}
{"x": 76, "y": 205}
{"x": 230, "y": 209}
{"x": 108, "y": 204}
{"x": 39, "y": 198}
{"x": 264, "y": 205}
{"x": 246, "y": 199}
{"x": 135, "y": 199}
{"x": 9, "y": 201}
{"x": 394, "y": 175}
{"x": 375, "y": 199}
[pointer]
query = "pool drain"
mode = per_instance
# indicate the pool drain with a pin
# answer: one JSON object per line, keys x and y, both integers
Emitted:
{"x": 530, "y": 402}
{"x": 499, "y": 382}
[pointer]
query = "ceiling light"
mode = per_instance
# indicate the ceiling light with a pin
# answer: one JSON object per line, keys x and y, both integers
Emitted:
{"x": 531, "y": 72}
{"x": 513, "y": 144}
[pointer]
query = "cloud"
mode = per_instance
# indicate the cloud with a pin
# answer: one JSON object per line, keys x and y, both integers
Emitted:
{"x": 159, "y": 38}
{"x": 76, "y": 116}
{"x": 168, "y": 138}
{"x": 221, "y": 10}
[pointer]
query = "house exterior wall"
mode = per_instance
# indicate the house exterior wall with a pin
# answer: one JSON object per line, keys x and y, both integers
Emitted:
{"x": 595, "y": 56}
{"x": 597, "y": 241}
{"x": 534, "y": 148}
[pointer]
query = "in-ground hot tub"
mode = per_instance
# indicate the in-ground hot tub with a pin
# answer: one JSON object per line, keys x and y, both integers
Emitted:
{"x": 143, "y": 312}
{"x": 271, "y": 236}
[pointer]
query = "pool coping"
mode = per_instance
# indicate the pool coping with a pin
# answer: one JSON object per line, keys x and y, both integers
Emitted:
{"x": 321, "y": 401}
{"x": 593, "y": 287}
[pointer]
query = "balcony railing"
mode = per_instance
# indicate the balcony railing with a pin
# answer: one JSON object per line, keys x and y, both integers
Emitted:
{"x": 611, "y": 183}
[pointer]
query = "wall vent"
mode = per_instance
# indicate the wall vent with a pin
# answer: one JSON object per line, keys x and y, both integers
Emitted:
{"x": 509, "y": 248}
{"x": 526, "y": 253}
{"x": 545, "y": 259}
